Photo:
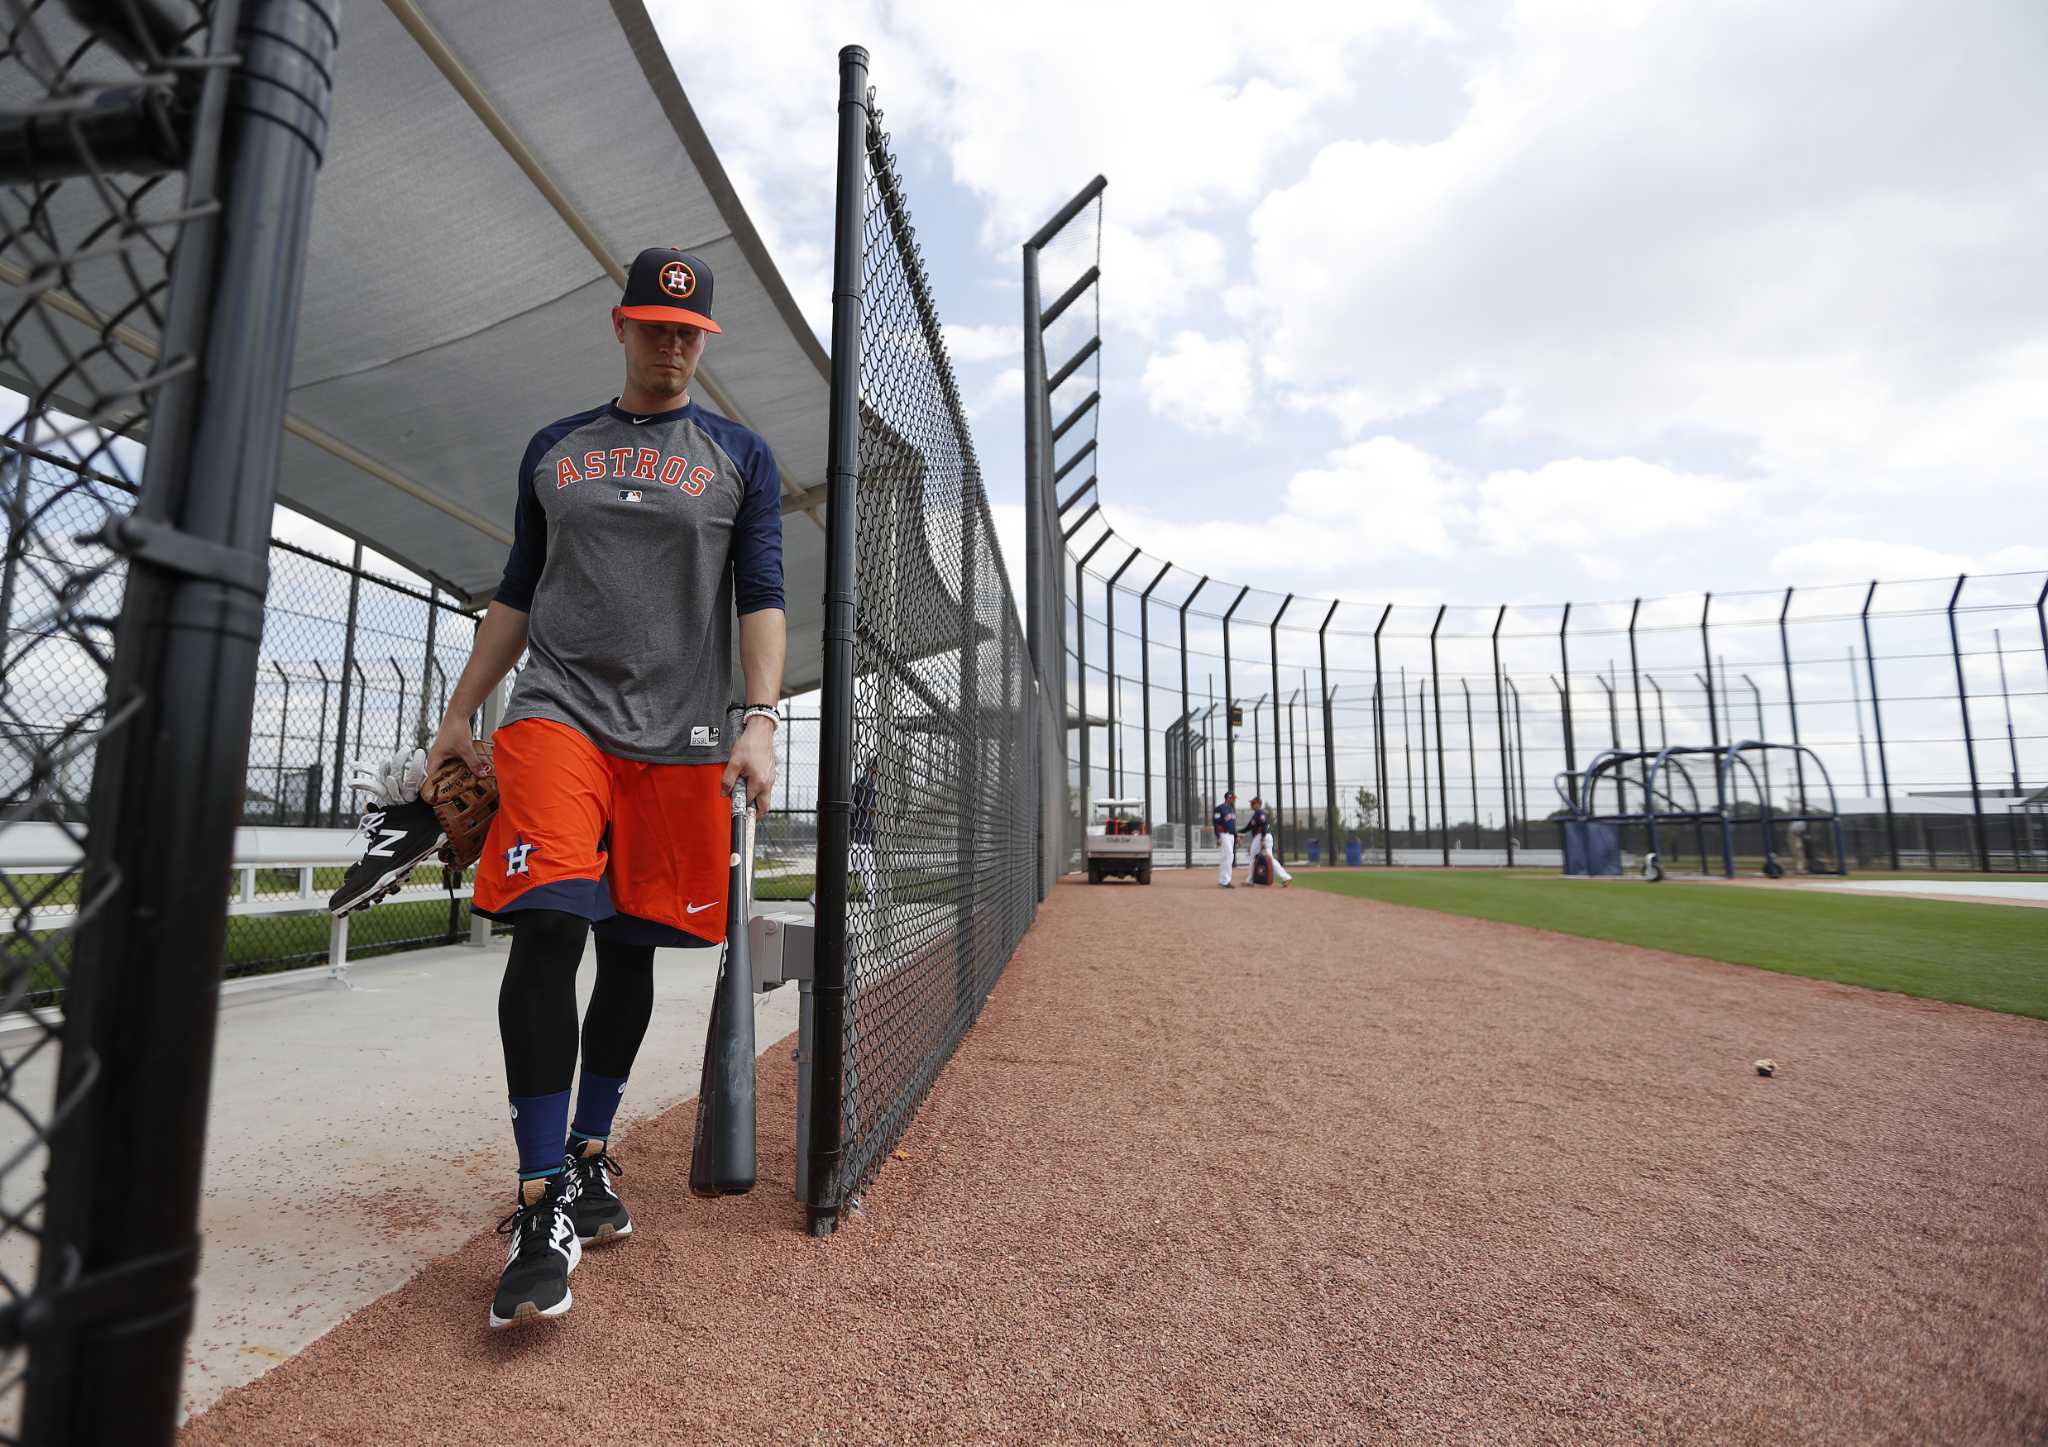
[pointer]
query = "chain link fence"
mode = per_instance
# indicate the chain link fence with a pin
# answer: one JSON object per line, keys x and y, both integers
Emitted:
{"x": 356, "y": 662}
{"x": 926, "y": 865}
{"x": 1910, "y": 715}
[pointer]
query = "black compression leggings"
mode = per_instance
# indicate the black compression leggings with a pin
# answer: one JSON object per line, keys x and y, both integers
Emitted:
{"x": 537, "y": 1004}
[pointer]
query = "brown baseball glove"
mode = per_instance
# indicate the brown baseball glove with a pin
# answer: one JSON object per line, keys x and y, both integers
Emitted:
{"x": 464, "y": 803}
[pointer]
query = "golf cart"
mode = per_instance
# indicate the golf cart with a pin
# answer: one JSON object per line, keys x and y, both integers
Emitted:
{"x": 1118, "y": 842}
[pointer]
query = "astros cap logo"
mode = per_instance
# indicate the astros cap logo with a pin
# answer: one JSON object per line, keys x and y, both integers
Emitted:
{"x": 678, "y": 280}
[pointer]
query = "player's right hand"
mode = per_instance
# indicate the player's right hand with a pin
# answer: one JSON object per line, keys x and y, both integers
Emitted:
{"x": 453, "y": 741}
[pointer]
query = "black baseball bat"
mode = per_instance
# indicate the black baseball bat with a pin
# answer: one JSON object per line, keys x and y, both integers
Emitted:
{"x": 722, "y": 1158}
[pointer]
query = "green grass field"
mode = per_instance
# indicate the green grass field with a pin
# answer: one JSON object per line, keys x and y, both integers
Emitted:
{"x": 1991, "y": 956}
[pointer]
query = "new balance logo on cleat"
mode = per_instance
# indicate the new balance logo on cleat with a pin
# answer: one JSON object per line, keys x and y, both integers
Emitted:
{"x": 400, "y": 837}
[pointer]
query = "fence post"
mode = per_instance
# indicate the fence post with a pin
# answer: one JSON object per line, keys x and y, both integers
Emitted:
{"x": 362, "y": 695}
{"x": 398, "y": 714}
{"x": 284, "y": 717}
{"x": 1307, "y": 761}
{"x": 1884, "y": 772}
{"x": 1500, "y": 729}
{"x": 2012, "y": 743}
{"x": 1571, "y": 756}
{"x": 1279, "y": 778}
{"x": 1408, "y": 764}
{"x": 1969, "y": 744}
{"x": 1422, "y": 729}
{"x": 1145, "y": 687}
{"x": 1329, "y": 744}
{"x": 1521, "y": 751}
{"x": 348, "y": 667}
{"x": 1230, "y": 700}
{"x": 1471, "y": 757}
{"x": 121, "y": 1217}
{"x": 1293, "y": 763}
{"x": 1187, "y": 813}
{"x": 826, "y": 1116}
{"x": 1436, "y": 693}
{"x": 2041, "y": 617}
{"x": 1613, "y": 738}
{"x": 1757, "y": 695}
{"x": 1714, "y": 737}
{"x": 1792, "y": 700}
{"x": 1082, "y": 714}
{"x": 319, "y": 748}
{"x": 1635, "y": 684}
{"x": 1379, "y": 734}
{"x": 1109, "y": 738}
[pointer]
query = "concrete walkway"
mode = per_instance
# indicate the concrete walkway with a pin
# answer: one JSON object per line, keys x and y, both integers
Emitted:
{"x": 359, "y": 1133}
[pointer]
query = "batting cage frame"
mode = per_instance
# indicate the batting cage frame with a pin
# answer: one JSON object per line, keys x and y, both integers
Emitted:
{"x": 930, "y": 715}
{"x": 158, "y": 159}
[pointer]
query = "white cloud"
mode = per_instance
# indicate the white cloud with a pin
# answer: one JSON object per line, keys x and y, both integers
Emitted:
{"x": 1564, "y": 504}
{"x": 1005, "y": 389}
{"x": 1205, "y": 385}
{"x": 1184, "y": 111}
{"x": 968, "y": 345}
{"x": 1385, "y": 499}
{"x": 1151, "y": 277}
{"x": 1812, "y": 229}
{"x": 1844, "y": 560}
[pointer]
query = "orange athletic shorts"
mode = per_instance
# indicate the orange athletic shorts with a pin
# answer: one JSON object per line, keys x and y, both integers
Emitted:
{"x": 641, "y": 850}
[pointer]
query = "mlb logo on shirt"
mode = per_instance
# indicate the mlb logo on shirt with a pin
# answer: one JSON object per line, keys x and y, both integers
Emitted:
{"x": 626, "y": 495}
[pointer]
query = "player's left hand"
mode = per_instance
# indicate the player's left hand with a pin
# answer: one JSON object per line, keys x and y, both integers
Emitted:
{"x": 753, "y": 754}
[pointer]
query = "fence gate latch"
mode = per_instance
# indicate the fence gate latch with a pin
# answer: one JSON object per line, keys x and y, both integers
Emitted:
{"x": 161, "y": 545}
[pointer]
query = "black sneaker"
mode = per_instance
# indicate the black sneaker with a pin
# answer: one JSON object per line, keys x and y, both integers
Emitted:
{"x": 544, "y": 1251}
{"x": 600, "y": 1214}
{"x": 400, "y": 837}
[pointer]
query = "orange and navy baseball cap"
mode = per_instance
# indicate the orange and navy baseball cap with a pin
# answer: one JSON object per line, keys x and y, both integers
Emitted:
{"x": 666, "y": 285}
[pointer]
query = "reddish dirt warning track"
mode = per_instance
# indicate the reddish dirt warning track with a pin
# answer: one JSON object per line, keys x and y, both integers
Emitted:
{"x": 1275, "y": 1164}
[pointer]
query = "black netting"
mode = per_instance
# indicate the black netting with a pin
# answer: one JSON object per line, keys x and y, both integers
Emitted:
{"x": 940, "y": 866}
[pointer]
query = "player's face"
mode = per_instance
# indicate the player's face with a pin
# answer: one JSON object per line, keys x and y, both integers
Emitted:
{"x": 661, "y": 357}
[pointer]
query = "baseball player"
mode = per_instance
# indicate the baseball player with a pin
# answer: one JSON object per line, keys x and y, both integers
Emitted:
{"x": 1261, "y": 835}
{"x": 1226, "y": 838}
{"x": 641, "y": 527}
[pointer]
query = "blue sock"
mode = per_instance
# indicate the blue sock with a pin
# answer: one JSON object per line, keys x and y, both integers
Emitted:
{"x": 539, "y": 1124}
{"x": 597, "y": 1101}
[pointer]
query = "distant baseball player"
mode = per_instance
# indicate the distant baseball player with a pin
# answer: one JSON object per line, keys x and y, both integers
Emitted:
{"x": 641, "y": 526}
{"x": 1226, "y": 838}
{"x": 1260, "y": 832}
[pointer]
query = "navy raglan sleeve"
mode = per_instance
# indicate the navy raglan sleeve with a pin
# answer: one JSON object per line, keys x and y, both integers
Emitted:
{"x": 757, "y": 538}
{"x": 529, "y": 540}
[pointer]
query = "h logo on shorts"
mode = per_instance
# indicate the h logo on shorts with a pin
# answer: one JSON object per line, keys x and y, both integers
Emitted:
{"x": 515, "y": 859}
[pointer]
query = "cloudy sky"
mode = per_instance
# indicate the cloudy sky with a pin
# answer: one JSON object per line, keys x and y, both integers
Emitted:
{"x": 1529, "y": 300}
